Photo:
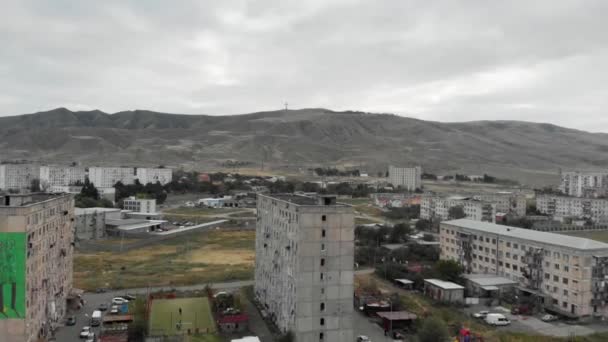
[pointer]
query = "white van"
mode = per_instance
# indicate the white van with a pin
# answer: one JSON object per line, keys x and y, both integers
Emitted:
{"x": 497, "y": 319}
{"x": 96, "y": 318}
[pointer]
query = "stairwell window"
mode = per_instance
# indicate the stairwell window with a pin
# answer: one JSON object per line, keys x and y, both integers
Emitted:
{"x": 324, "y": 218}
{"x": 323, "y": 233}
{"x": 322, "y": 261}
{"x": 322, "y": 322}
{"x": 322, "y": 306}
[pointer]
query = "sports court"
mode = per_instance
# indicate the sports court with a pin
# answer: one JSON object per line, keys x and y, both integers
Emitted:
{"x": 166, "y": 319}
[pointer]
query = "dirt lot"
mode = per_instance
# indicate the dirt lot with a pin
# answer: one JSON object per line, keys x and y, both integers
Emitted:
{"x": 192, "y": 259}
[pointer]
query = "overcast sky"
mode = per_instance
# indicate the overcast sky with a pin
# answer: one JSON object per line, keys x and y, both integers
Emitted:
{"x": 438, "y": 60}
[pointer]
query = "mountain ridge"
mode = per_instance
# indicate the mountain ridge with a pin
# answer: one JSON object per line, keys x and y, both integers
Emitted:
{"x": 302, "y": 138}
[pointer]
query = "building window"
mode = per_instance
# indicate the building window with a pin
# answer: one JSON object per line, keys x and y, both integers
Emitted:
{"x": 322, "y": 232}
{"x": 557, "y": 266}
{"x": 321, "y": 336}
{"x": 508, "y": 244}
{"x": 547, "y": 276}
{"x": 322, "y": 321}
{"x": 555, "y": 278}
{"x": 322, "y": 307}
{"x": 323, "y": 218}
{"x": 565, "y": 281}
{"x": 322, "y": 261}
{"x": 322, "y": 276}
{"x": 322, "y": 290}
{"x": 566, "y": 269}
{"x": 322, "y": 247}
{"x": 566, "y": 293}
{"x": 515, "y": 245}
{"x": 565, "y": 305}
{"x": 514, "y": 267}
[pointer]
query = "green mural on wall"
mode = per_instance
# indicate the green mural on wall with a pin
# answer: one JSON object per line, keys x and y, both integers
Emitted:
{"x": 12, "y": 275}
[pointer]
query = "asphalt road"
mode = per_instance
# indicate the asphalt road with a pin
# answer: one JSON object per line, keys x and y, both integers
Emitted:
{"x": 94, "y": 300}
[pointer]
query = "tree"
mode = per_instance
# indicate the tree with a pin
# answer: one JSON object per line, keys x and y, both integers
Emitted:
{"x": 449, "y": 270}
{"x": 456, "y": 212}
{"x": 433, "y": 330}
{"x": 423, "y": 224}
{"x": 287, "y": 337}
{"x": 35, "y": 185}
{"x": 89, "y": 190}
{"x": 400, "y": 233}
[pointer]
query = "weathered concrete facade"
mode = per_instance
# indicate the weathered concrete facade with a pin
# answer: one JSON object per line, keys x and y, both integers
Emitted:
{"x": 305, "y": 265}
{"x": 91, "y": 222}
{"x": 47, "y": 224}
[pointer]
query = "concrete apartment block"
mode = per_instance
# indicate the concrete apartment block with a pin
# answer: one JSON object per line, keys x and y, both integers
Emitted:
{"x": 53, "y": 177}
{"x": 409, "y": 178}
{"x": 595, "y": 209}
{"x": 435, "y": 207}
{"x": 304, "y": 273}
{"x": 584, "y": 183}
{"x": 565, "y": 274}
{"x": 18, "y": 176}
{"x": 36, "y": 236}
{"x": 107, "y": 177}
{"x": 154, "y": 175}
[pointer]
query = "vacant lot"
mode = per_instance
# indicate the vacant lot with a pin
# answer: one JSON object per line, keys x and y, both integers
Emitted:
{"x": 594, "y": 235}
{"x": 191, "y": 259}
{"x": 203, "y": 215}
{"x": 176, "y": 316}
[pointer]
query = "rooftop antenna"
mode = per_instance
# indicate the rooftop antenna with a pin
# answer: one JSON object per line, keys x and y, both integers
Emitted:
{"x": 286, "y": 106}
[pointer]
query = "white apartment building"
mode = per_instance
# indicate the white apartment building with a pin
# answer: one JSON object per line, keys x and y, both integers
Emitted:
{"x": 107, "y": 177}
{"x": 409, "y": 178}
{"x": 559, "y": 207}
{"x": 147, "y": 206}
{"x": 18, "y": 176}
{"x": 564, "y": 273}
{"x": 304, "y": 274}
{"x": 584, "y": 183}
{"x": 506, "y": 202}
{"x": 154, "y": 175}
{"x": 438, "y": 208}
{"x": 57, "y": 178}
{"x": 36, "y": 235}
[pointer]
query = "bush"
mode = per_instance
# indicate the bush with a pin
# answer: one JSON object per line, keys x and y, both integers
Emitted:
{"x": 433, "y": 330}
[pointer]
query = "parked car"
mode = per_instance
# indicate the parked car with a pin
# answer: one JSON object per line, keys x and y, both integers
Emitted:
{"x": 103, "y": 307}
{"x": 497, "y": 319}
{"x": 84, "y": 333}
{"x": 549, "y": 318}
{"x": 363, "y": 338}
{"x": 114, "y": 310}
{"x": 71, "y": 321}
{"x": 119, "y": 301}
{"x": 481, "y": 314}
{"x": 101, "y": 290}
{"x": 129, "y": 297}
{"x": 91, "y": 337}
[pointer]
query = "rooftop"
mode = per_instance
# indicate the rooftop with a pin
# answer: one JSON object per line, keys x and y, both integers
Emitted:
{"x": 307, "y": 200}
{"x": 24, "y": 200}
{"x": 488, "y": 279}
{"x": 397, "y": 315}
{"x": 85, "y": 211}
{"x": 446, "y": 285}
{"x": 530, "y": 235}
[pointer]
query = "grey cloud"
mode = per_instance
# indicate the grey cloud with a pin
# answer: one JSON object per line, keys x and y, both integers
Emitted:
{"x": 444, "y": 60}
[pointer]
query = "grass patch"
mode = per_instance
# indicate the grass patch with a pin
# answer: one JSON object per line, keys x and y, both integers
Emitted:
{"x": 594, "y": 235}
{"x": 355, "y": 201}
{"x": 363, "y": 220}
{"x": 195, "y": 314}
{"x": 206, "y": 338}
{"x": 369, "y": 210}
{"x": 186, "y": 260}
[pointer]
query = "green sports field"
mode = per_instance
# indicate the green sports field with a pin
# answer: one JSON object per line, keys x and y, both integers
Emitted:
{"x": 165, "y": 316}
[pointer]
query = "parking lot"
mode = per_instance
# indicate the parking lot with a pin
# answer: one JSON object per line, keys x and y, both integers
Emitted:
{"x": 534, "y": 324}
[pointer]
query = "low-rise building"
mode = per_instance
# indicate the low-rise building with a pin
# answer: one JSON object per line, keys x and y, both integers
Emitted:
{"x": 140, "y": 205}
{"x": 506, "y": 202}
{"x": 409, "y": 178}
{"x": 595, "y": 209}
{"x": 147, "y": 175}
{"x": 444, "y": 291}
{"x": 90, "y": 223}
{"x": 36, "y": 236}
{"x": 565, "y": 274}
{"x": 220, "y": 202}
{"x": 488, "y": 285}
{"x": 438, "y": 208}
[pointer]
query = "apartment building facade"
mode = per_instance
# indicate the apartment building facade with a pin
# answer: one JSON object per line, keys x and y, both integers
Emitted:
{"x": 107, "y": 177}
{"x": 409, "y": 178}
{"x": 36, "y": 236}
{"x": 567, "y": 274}
{"x": 595, "y": 209}
{"x": 584, "y": 183}
{"x": 506, "y": 202}
{"x": 57, "y": 178}
{"x": 438, "y": 208}
{"x": 18, "y": 176}
{"x": 153, "y": 175}
{"x": 138, "y": 205}
{"x": 304, "y": 274}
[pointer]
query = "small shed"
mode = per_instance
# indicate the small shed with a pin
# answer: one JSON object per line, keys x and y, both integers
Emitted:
{"x": 487, "y": 285}
{"x": 396, "y": 319}
{"x": 404, "y": 283}
{"x": 444, "y": 291}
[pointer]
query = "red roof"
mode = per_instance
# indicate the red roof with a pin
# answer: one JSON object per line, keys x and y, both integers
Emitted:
{"x": 233, "y": 319}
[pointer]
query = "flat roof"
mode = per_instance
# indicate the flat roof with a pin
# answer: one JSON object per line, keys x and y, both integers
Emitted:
{"x": 82, "y": 211}
{"x": 446, "y": 285}
{"x": 530, "y": 235}
{"x": 393, "y": 246}
{"x": 404, "y": 281}
{"x": 397, "y": 315}
{"x": 304, "y": 200}
{"x": 488, "y": 279}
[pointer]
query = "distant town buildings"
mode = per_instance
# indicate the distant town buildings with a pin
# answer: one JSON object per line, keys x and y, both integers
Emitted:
{"x": 584, "y": 183}
{"x": 409, "y": 178}
{"x": 57, "y": 178}
{"x": 506, "y": 202}
{"x": 18, "y": 176}
{"x": 147, "y": 175}
{"x": 107, "y": 177}
{"x": 36, "y": 235}
{"x": 304, "y": 273}
{"x": 563, "y": 273}
{"x": 559, "y": 207}
{"x": 395, "y": 200}
{"x": 438, "y": 208}
{"x": 140, "y": 205}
